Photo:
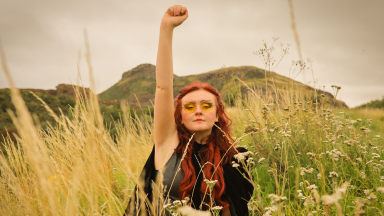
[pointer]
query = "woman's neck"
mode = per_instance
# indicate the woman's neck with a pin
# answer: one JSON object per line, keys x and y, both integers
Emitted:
{"x": 200, "y": 135}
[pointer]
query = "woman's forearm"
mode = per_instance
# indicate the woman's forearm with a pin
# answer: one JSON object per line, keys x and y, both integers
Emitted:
{"x": 164, "y": 62}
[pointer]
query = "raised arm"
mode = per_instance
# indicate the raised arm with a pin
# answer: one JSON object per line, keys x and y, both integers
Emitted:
{"x": 164, "y": 124}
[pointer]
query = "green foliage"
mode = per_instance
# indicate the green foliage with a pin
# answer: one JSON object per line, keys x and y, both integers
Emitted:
{"x": 373, "y": 104}
{"x": 62, "y": 102}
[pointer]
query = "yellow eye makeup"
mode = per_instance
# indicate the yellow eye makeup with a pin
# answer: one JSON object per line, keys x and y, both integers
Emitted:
{"x": 205, "y": 106}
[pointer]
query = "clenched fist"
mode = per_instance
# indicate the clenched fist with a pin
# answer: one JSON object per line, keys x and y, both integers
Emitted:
{"x": 174, "y": 16}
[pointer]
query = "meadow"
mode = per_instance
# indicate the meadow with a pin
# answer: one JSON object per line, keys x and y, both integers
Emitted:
{"x": 306, "y": 156}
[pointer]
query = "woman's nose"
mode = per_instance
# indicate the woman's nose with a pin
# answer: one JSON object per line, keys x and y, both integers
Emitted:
{"x": 198, "y": 110}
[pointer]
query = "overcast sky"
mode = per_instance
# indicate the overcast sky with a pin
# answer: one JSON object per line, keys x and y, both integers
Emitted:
{"x": 344, "y": 39}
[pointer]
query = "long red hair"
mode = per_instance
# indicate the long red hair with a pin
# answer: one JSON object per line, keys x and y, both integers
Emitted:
{"x": 217, "y": 146}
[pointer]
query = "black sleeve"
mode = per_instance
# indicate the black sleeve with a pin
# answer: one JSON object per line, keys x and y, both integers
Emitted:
{"x": 238, "y": 189}
{"x": 147, "y": 174}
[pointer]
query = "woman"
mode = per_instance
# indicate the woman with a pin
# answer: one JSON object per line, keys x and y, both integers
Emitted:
{"x": 198, "y": 109}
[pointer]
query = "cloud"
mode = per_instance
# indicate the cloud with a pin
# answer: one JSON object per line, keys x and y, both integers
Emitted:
{"x": 42, "y": 39}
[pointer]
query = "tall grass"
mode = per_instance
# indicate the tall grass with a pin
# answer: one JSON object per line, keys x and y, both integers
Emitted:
{"x": 305, "y": 157}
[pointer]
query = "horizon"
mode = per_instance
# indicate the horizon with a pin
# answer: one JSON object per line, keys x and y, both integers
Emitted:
{"x": 185, "y": 76}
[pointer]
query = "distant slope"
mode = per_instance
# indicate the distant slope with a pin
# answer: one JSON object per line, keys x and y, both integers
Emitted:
{"x": 61, "y": 98}
{"x": 139, "y": 83}
{"x": 373, "y": 104}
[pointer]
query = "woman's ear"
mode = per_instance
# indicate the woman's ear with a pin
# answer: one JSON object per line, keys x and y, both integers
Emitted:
{"x": 217, "y": 118}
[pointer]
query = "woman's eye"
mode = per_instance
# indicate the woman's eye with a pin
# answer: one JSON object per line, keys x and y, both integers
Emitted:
{"x": 207, "y": 105}
{"x": 189, "y": 106}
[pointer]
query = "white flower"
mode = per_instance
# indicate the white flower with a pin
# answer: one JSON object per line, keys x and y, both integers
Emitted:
{"x": 309, "y": 201}
{"x": 177, "y": 203}
{"x": 302, "y": 171}
{"x": 371, "y": 197}
{"x": 276, "y": 199}
{"x": 366, "y": 191}
{"x": 310, "y": 170}
{"x": 310, "y": 187}
{"x": 217, "y": 208}
{"x": 333, "y": 174}
{"x": 235, "y": 165}
{"x": 359, "y": 159}
{"x": 239, "y": 156}
{"x": 319, "y": 176}
{"x": 189, "y": 211}
{"x": 330, "y": 199}
{"x": 380, "y": 189}
{"x": 261, "y": 159}
{"x": 362, "y": 174}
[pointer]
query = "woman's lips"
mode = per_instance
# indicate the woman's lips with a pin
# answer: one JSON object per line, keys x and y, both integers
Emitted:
{"x": 199, "y": 120}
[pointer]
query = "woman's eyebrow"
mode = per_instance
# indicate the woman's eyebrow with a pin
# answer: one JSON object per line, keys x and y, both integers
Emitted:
{"x": 195, "y": 102}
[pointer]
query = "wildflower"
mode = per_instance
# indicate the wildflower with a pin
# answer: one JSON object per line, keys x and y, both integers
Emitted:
{"x": 271, "y": 172}
{"x": 302, "y": 171}
{"x": 275, "y": 199}
{"x": 372, "y": 197}
{"x": 333, "y": 174}
{"x": 366, "y": 191}
{"x": 309, "y": 201}
{"x": 369, "y": 162}
{"x": 261, "y": 159}
{"x": 301, "y": 184}
{"x": 366, "y": 130}
{"x": 380, "y": 189}
{"x": 378, "y": 136}
{"x": 249, "y": 129}
{"x": 334, "y": 198}
{"x": 250, "y": 160}
{"x": 177, "y": 203}
{"x": 269, "y": 210}
{"x": 210, "y": 184}
{"x": 310, "y": 187}
{"x": 277, "y": 147}
{"x": 359, "y": 159}
{"x": 359, "y": 120}
{"x": 375, "y": 155}
{"x": 188, "y": 210}
{"x": 239, "y": 156}
{"x": 300, "y": 195}
{"x": 311, "y": 155}
{"x": 310, "y": 170}
{"x": 235, "y": 165}
{"x": 362, "y": 174}
{"x": 319, "y": 176}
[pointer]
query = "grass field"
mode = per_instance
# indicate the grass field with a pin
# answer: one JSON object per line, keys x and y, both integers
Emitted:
{"x": 306, "y": 158}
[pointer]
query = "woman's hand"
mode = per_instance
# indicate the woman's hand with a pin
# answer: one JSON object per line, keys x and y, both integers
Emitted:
{"x": 174, "y": 16}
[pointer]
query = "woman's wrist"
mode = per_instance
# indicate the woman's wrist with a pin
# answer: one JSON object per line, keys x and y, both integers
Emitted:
{"x": 166, "y": 27}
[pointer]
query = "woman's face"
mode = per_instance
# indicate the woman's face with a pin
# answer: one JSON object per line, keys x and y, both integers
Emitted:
{"x": 199, "y": 121}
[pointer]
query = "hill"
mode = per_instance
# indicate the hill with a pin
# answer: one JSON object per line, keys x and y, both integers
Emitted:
{"x": 379, "y": 104}
{"x": 61, "y": 98}
{"x": 139, "y": 83}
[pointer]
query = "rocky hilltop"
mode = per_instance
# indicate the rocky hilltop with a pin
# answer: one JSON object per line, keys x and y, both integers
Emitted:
{"x": 138, "y": 85}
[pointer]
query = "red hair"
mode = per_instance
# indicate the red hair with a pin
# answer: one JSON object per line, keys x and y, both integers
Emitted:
{"x": 217, "y": 146}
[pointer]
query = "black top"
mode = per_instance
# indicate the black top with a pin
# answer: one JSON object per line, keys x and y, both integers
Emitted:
{"x": 238, "y": 190}
{"x": 170, "y": 176}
